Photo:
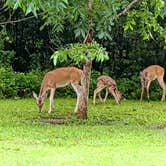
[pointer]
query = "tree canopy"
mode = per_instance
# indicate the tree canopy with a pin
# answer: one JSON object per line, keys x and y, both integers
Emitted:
{"x": 102, "y": 17}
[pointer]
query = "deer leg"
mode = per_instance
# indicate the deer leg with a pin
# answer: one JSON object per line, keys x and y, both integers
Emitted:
{"x": 96, "y": 91}
{"x": 162, "y": 85}
{"x": 142, "y": 93}
{"x": 101, "y": 99}
{"x": 77, "y": 89}
{"x": 52, "y": 92}
{"x": 147, "y": 89}
{"x": 106, "y": 95}
{"x": 118, "y": 96}
{"x": 112, "y": 91}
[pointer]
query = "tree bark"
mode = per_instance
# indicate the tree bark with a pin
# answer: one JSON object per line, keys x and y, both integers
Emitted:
{"x": 83, "y": 100}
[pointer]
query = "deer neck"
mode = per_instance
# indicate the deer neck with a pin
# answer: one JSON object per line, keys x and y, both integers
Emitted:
{"x": 42, "y": 90}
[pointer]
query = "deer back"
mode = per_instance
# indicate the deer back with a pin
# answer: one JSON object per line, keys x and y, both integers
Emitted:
{"x": 106, "y": 81}
{"x": 60, "y": 77}
{"x": 152, "y": 72}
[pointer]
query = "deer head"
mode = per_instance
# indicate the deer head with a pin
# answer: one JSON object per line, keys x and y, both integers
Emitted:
{"x": 117, "y": 95}
{"x": 39, "y": 101}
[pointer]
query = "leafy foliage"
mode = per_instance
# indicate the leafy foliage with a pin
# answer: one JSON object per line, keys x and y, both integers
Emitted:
{"x": 5, "y": 55}
{"x": 101, "y": 18}
{"x": 16, "y": 85}
{"x": 13, "y": 85}
{"x": 148, "y": 16}
{"x": 79, "y": 53}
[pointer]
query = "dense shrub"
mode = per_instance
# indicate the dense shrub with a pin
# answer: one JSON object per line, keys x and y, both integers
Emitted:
{"x": 6, "y": 57}
{"x": 93, "y": 84}
{"x": 131, "y": 89}
{"x": 14, "y": 84}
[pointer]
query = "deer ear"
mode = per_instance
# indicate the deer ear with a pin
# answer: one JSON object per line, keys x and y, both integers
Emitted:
{"x": 35, "y": 95}
{"x": 146, "y": 74}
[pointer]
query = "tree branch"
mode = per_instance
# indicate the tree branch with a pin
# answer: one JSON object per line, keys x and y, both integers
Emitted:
{"x": 128, "y": 7}
{"x": 19, "y": 20}
{"x": 2, "y": 8}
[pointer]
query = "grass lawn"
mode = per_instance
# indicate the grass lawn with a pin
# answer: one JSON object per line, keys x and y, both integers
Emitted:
{"x": 130, "y": 134}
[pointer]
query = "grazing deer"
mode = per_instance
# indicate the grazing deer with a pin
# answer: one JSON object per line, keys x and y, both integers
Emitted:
{"x": 149, "y": 74}
{"x": 111, "y": 87}
{"x": 60, "y": 77}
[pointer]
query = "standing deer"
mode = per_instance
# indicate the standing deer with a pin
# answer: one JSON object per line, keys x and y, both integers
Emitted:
{"x": 60, "y": 77}
{"x": 149, "y": 74}
{"x": 111, "y": 87}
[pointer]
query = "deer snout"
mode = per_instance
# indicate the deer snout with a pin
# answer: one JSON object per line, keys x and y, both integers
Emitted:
{"x": 40, "y": 106}
{"x": 119, "y": 97}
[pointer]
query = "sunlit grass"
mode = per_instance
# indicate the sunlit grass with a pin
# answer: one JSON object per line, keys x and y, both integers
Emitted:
{"x": 132, "y": 133}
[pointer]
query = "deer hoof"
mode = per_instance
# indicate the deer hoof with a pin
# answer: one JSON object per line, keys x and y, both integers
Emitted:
{"x": 75, "y": 111}
{"x": 50, "y": 111}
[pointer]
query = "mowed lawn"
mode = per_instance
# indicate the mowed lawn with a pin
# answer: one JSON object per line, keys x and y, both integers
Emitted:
{"x": 130, "y": 134}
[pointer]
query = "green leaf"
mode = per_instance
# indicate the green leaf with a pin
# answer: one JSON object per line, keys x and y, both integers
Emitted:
{"x": 17, "y": 4}
{"x": 55, "y": 57}
{"x": 101, "y": 35}
{"x": 80, "y": 53}
{"x": 66, "y": 1}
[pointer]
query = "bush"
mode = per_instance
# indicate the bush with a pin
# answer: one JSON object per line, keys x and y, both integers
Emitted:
{"x": 93, "y": 81}
{"x": 27, "y": 83}
{"x": 13, "y": 84}
{"x": 131, "y": 89}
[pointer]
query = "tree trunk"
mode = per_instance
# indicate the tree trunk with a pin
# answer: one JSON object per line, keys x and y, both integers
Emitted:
{"x": 83, "y": 100}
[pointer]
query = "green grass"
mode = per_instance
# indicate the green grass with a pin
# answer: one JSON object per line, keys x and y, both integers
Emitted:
{"x": 130, "y": 134}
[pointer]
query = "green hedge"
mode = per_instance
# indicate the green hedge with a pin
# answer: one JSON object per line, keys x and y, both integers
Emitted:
{"x": 14, "y": 85}
{"x": 131, "y": 89}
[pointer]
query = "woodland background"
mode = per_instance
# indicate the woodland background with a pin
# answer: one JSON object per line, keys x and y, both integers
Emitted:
{"x": 26, "y": 48}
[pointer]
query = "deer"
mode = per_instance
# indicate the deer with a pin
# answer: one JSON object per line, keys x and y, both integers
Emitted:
{"x": 149, "y": 74}
{"x": 106, "y": 82}
{"x": 57, "y": 78}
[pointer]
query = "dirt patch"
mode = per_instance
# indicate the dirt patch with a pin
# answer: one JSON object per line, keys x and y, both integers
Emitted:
{"x": 159, "y": 127}
{"x": 52, "y": 121}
